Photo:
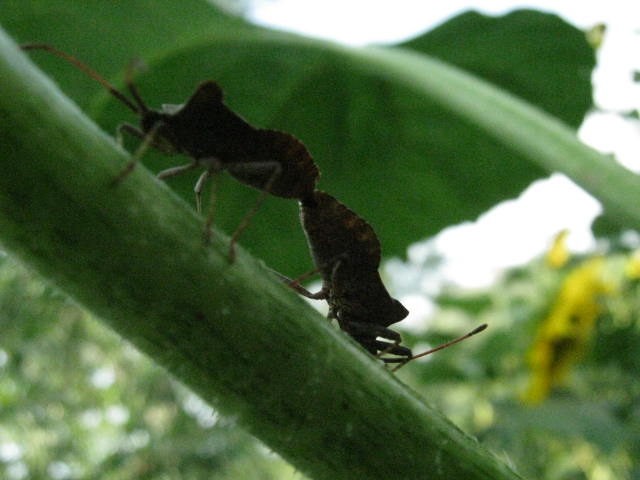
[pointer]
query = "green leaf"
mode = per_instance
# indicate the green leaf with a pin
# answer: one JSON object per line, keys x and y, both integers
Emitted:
{"x": 521, "y": 52}
{"x": 106, "y": 34}
{"x": 388, "y": 143}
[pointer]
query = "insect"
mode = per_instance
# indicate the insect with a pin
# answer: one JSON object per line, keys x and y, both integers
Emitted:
{"x": 346, "y": 252}
{"x": 216, "y": 139}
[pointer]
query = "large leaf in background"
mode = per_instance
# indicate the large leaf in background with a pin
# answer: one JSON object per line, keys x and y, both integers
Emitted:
{"x": 407, "y": 165}
{"x": 522, "y": 52}
{"x": 107, "y": 34}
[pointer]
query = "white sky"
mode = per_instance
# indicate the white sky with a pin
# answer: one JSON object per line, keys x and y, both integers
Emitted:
{"x": 514, "y": 232}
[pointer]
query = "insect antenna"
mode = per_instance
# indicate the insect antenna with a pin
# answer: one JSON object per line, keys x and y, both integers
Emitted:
{"x": 135, "y": 93}
{"x": 444, "y": 345}
{"x": 138, "y": 109}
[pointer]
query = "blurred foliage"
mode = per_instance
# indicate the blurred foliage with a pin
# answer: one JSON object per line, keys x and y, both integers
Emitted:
{"x": 76, "y": 401}
{"x": 587, "y": 425}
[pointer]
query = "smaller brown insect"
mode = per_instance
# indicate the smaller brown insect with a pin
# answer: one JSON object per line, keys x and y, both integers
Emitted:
{"x": 346, "y": 252}
{"x": 216, "y": 139}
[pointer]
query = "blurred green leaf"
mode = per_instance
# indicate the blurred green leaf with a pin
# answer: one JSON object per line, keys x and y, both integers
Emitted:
{"x": 569, "y": 419}
{"x": 107, "y": 35}
{"x": 521, "y": 52}
{"x": 407, "y": 164}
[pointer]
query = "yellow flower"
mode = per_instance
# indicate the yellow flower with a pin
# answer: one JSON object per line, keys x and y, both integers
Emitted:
{"x": 632, "y": 267}
{"x": 564, "y": 334}
{"x": 558, "y": 254}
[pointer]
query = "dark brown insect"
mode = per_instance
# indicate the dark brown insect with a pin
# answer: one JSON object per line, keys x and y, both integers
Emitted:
{"x": 346, "y": 252}
{"x": 216, "y": 139}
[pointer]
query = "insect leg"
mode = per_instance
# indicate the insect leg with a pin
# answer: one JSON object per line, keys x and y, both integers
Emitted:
{"x": 324, "y": 291}
{"x": 157, "y": 143}
{"x": 244, "y": 224}
{"x": 295, "y": 284}
{"x": 393, "y": 349}
{"x": 174, "y": 171}
{"x": 147, "y": 140}
{"x": 199, "y": 186}
{"x": 275, "y": 170}
{"x": 130, "y": 129}
{"x": 366, "y": 329}
{"x": 208, "y": 226}
{"x": 366, "y": 334}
